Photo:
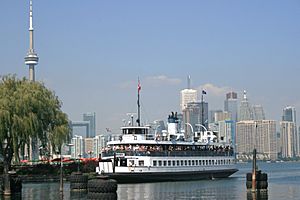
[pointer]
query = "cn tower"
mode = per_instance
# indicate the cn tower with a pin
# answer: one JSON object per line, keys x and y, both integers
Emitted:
{"x": 31, "y": 58}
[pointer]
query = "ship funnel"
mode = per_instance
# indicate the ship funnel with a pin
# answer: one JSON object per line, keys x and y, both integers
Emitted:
{"x": 173, "y": 124}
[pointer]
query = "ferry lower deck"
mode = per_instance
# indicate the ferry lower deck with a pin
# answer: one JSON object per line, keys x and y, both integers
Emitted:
{"x": 130, "y": 169}
{"x": 170, "y": 176}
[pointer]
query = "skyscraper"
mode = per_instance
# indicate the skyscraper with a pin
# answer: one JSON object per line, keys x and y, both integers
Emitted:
{"x": 267, "y": 138}
{"x": 245, "y": 110}
{"x": 245, "y": 138}
{"x": 100, "y": 142}
{"x": 187, "y": 95}
{"x": 226, "y": 130}
{"x": 258, "y": 112}
{"x": 287, "y": 137}
{"x": 290, "y": 139}
{"x": 195, "y": 113}
{"x": 289, "y": 114}
{"x": 220, "y": 116}
{"x": 231, "y": 105}
{"x": 77, "y": 150}
{"x": 259, "y": 134}
{"x": 88, "y": 147}
{"x": 91, "y": 118}
{"x": 180, "y": 121}
{"x": 211, "y": 115}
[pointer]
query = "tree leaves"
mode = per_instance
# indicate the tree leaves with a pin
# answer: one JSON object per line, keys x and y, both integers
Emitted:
{"x": 28, "y": 110}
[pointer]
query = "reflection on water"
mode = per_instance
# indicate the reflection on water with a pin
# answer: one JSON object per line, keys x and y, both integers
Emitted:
{"x": 14, "y": 197}
{"x": 263, "y": 195}
{"x": 206, "y": 189}
{"x": 45, "y": 191}
{"x": 284, "y": 179}
{"x": 77, "y": 195}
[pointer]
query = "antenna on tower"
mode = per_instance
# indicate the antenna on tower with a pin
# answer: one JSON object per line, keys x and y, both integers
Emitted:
{"x": 189, "y": 82}
{"x": 30, "y": 16}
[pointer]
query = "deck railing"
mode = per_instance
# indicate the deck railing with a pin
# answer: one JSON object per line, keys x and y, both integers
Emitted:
{"x": 168, "y": 153}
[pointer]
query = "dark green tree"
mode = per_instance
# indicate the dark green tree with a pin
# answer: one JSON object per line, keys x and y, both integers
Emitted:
{"x": 28, "y": 110}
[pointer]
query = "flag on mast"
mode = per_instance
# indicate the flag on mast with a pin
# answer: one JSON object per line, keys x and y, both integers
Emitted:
{"x": 139, "y": 86}
{"x": 138, "y": 102}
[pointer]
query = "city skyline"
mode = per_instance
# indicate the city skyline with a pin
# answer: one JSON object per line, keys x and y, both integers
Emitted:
{"x": 92, "y": 60}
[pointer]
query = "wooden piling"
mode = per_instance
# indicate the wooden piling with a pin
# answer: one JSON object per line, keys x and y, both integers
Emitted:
{"x": 256, "y": 181}
{"x": 254, "y": 171}
{"x": 114, "y": 163}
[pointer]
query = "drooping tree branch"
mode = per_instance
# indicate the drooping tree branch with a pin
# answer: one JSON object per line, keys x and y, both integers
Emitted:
{"x": 28, "y": 110}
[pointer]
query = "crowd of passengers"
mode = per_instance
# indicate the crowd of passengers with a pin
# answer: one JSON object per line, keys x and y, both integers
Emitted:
{"x": 162, "y": 148}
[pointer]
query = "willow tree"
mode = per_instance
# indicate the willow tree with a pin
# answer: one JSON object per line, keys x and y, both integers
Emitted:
{"x": 28, "y": 110}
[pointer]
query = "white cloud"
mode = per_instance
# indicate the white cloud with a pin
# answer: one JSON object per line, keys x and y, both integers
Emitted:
{"x": 214, "y": 90}
{"x": 150, "y": 81}
{"x": 162, "y": 79}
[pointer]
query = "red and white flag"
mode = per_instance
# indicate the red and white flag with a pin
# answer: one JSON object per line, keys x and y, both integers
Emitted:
{"x": 139, "y": 86}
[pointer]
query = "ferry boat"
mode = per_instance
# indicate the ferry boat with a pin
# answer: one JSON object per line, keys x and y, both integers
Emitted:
{"x": 139, "y": 156}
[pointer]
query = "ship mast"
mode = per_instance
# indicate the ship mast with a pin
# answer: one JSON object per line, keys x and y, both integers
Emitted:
{"x": 138, "y": 104}
{"x": 202, "y": 108}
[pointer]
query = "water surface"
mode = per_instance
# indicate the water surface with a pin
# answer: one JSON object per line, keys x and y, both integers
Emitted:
{"x": 284, "y": 181}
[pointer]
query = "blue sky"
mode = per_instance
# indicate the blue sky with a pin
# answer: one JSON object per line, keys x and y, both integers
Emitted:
{"x": 91, "y": 53}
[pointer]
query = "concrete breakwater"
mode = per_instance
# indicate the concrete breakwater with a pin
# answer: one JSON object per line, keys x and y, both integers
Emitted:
{"x": 38, "y": 178}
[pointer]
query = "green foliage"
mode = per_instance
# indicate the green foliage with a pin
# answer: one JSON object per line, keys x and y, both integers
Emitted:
{"x": 48, "y": 169}
{"x": 39, "y": 169}
{"x": 28, "y": 110}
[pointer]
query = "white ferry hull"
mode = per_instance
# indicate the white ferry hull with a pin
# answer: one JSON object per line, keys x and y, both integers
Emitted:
{"x": 133, "y": 177}
{"x": 169, "y": 169}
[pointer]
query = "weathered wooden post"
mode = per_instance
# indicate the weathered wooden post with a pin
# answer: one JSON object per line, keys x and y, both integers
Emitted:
{"x": 256, "y": 182}
{"x": 114, "y": 163}
{"x": 254, "y": 171}
{"x": 61, "y": 176}
{"x": 12, "y": 184}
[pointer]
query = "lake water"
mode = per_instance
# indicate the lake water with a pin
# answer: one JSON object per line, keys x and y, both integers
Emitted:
{"x": 284, "y": 183}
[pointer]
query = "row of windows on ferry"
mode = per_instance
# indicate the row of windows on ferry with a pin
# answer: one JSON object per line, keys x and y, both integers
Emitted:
{"x": 191, "y": 162}
{"x": 137, "y": 147}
